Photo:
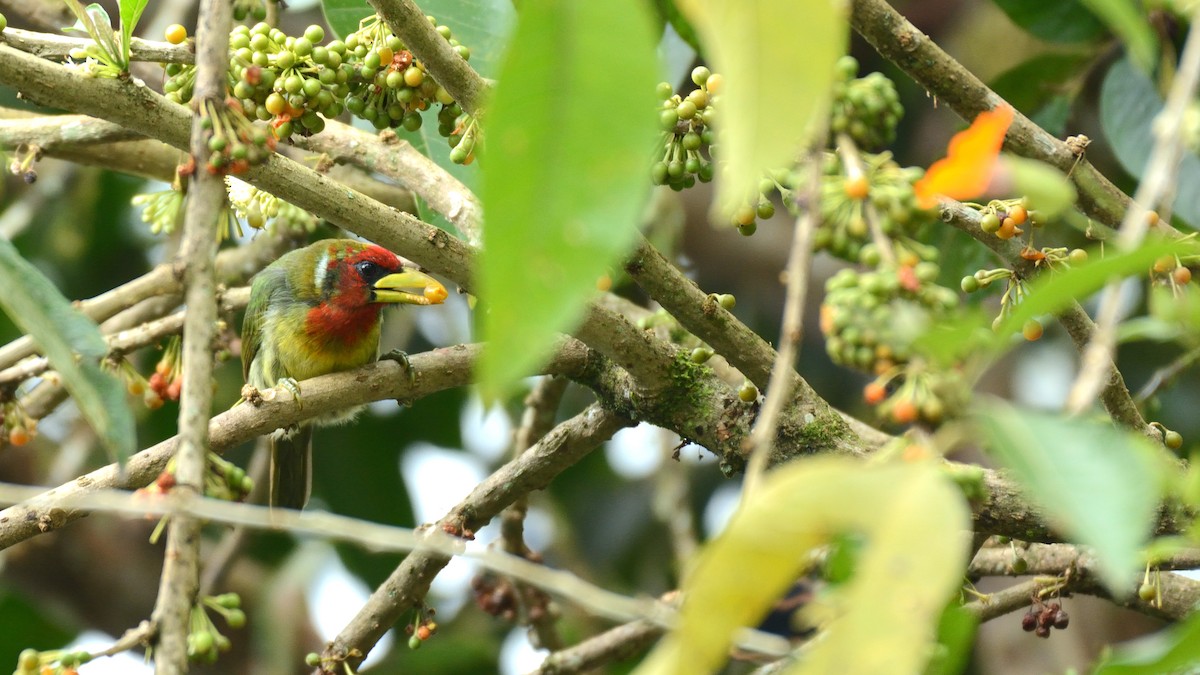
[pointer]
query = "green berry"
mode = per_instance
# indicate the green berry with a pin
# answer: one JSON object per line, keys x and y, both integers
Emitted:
{"x": 668, "y": 119}
{"x": 1147, "y": 592}
{"x": 236, "y": 618}
{"x": 727, "y": 301}
{"x": 700, "y": 75}
{"x": 686, "y": 110}
{"x": 765, "y": 210}
{"x": 664, "y": 91}
{"x": 314, "y": 34}
{"x": 747, "y": 229}
{"x": 1173, "y": 439}
{"x": 411, "y": 121}
{"x": 969, "y": 284}
{"x": 989, "y": 223}
{"x": 414, "y": 642}
{"x": 29, "y": 658}
{"x": 701, "y": 354}
{"x": 312, "y": 659}
{"x": 1020, "y": 565}
{"x": 748, "y": 393}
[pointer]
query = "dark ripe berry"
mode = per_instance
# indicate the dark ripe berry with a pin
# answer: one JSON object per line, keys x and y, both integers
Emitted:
{"x": 1029, "y": 622}
{"x": 1046, "y": 616}
{"x": 1042, "y": 631}
{"x": 1061, "y": 619}
{"x": 30, "y": 177}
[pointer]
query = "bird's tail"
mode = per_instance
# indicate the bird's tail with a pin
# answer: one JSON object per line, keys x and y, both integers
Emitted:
{"x": 291, "y": 468}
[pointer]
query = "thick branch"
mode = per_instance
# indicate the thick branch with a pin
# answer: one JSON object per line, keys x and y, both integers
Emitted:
{"x": 58, "y": 47}
{"x": 450, "y": 70}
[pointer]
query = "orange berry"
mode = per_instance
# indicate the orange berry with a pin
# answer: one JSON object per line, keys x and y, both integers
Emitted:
{"x": 1018, "y": 214}
{"x": 914, "y": 452}
{"x": 1152, "y": 218}
{"x": 1008, "y": 229}
{"x": 175, "y": 34}
{"x": 904, "y": 412}
{"x": 1164, "y": 264}
{"x": 857, "y": 187}
{"x": 152, "y": 400}
{"x": 713, "y": 83}
{"x": 423, "y": 632}
{"x": 1181, "y": 275}
{"x": 603, "y": 284}
{"x": 136, "y": 387}
{"x": 175, "y": 389}
{"x": 874, "y": 393}
{"x": 1032, "y": 330}
{"x": 18, "y": 436}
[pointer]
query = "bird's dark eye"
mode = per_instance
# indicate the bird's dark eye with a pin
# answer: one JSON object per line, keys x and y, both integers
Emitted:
{"x": 370, "y": 271}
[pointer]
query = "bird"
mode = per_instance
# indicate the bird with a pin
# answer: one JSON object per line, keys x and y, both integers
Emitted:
{"x": 318, "y": 310}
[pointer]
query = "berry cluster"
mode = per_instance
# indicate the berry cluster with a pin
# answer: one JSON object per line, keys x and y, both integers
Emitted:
{"x": 422, "y": 627}
{"x": 253, "y": 9}
{"x": 1042, "y": 616}
{"x": 1005, "y": 217}
{"x": 204, "y": 641}
{"x": 870, "y": 318}
{"x": 54, "y": 662}
{"x": 867, "y": 108}
{"x": 687, "y": 124}
{"x": 263, "y": 210}
{"x": 19, "y": 428}
{"x": 851, "y": 195}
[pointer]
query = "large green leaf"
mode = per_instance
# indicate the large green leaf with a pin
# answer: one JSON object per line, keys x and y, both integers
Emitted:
{"x": 1172, "y": 650}
{"x": 36, "y": 306}
{"x": 915, "y": 525}
{"x": 776, "y": 83}
{"x": 1099, "y": 485}
{"x": 1129, "y": 104}
{"x": 1127, "y": 20}
{"x": 1055, "y": 21}
{"x": 564, "y": 171}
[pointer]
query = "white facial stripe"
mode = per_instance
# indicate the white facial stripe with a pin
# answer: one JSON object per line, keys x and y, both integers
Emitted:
{"x": 320, "y": 272}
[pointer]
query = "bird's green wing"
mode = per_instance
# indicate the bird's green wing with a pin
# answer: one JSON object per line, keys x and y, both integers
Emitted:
{"x": 256, "y": 314}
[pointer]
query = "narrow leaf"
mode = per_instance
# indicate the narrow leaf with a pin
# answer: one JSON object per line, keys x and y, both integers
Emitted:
{"x": 36, "y": 306}
{"x": 104, "y": 35}
{"x": 915, "y": 525}
{"x": 131, "y": 13}
{"x": 1099, "y": 485}
{"x": 775, "y": 85}
{"x": 564, "y": 172}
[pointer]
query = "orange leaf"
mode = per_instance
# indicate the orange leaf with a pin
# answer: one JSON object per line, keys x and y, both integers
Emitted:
{"x": 970, "y": 159}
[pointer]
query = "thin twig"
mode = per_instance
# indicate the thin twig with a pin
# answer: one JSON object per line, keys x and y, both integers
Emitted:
{"x": 778, "y": 392}
{"x": 206, "y": 197}
{"x": 1159, "y": 174}
{"x": 51, "y": 46}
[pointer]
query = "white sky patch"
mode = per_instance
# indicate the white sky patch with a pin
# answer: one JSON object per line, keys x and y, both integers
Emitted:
{"x": 125, "y": 663}
{"x": 720, "y": 508}
{"x": 637, "y": 452}
{"x": 517, "y": 656}
{"x": 437, "y": 479}
{"x": 334, "y": 599}
{"x": 489, "y": 433}
{"x": 539, "y": 529}
{"x": 446, "y": 324}
{"x": 1043, "y": 374}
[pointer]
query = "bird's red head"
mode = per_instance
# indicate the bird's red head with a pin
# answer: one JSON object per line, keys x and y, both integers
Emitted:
{"x": 353, "y": 279}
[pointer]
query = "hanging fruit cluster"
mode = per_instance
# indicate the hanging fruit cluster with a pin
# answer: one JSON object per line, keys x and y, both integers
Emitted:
{"x": 851, "y": 196}
{"x": 687, "y": 124}
{"x": 866, "y": 108}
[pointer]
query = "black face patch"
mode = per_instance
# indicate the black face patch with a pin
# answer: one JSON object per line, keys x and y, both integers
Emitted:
{"x": 371, "y": 271}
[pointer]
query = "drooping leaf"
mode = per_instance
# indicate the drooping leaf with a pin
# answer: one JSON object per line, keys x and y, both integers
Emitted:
{"x": 1127, "y": 20}
{"x": 564, "y": 171}
{"x": 914, "y": 524}
{"x": 775, "y": 85}
{"x": 1129, "y": 104}
{"x": 1058, "y": 21}
{"x": 36, "y": 306}
{"x": 1099, "y": 485}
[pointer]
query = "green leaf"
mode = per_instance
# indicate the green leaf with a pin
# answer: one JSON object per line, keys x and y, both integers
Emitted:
{"x": 1125, "y": 19}
{"x": 131, "y": 13}
{"x": 956, "y": 633}
{"x": 1035, "y": 82}
{"x": 1098, "y": 485}
{"x": 36, "y": 306}
{"x": 1172, "y": 650}
{"x": 775, "y": 86}
{"x": 1129, "y": 104}
{"x": 669, "y": 13}
{"x": 1056, "y": 21}
{"x": 564, "y": 171}
{"x": 915, "y": 525}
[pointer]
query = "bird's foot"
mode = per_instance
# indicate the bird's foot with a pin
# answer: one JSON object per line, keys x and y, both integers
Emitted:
{"x": 291, "y": 386}
{"x": 401, "y": 357}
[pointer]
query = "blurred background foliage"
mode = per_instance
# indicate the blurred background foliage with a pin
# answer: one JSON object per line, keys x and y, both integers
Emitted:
{"x": 599, "y": 519}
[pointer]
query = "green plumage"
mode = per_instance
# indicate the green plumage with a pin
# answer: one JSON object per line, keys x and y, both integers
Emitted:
{"x": 314, "y": 311}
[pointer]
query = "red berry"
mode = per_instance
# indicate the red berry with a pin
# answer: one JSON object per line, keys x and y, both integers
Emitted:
{"x": 874, "y": 393}
{"x": 904, "y": 412}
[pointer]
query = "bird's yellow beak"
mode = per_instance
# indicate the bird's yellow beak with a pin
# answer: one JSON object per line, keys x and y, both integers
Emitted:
{"x": 392, "y": 288}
